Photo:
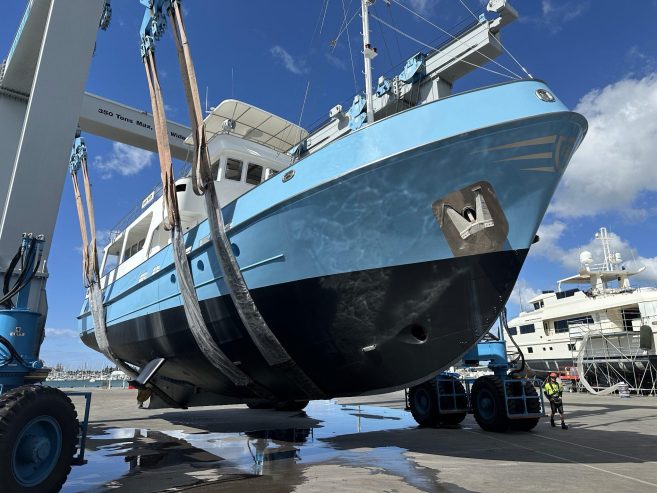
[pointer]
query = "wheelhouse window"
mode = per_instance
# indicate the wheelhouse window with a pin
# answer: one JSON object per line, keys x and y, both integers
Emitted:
{"x": 254, "y": 174}
{"x": 134, "y": 248}
{"x": 112, "y": 255}
{"x": 513, "y": 331}
{"x": 527, "y": 329}
{"x": 136, "y": 237}
{"x": 233, "y": 169}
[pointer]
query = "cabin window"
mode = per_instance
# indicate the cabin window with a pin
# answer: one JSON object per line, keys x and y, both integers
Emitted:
{"x": 134, "y": 248}
{"x": 269, "y": 173}
{"x": 527, "y": 329}
{"x": 629, "y": 314}
{"x": 159, "y": 240}
{"x": 530, "y": 350}
{"x": 562, "y": 325}
{"x": 112, "y": 255}
{"x": 233, "y": 169}
{"x": 566, "y": 294}
{"x": 136, "y": 237}
{"x": 571, "y": 347}
{"x": 513, "y": 331}
{"x": 254, "y": 174}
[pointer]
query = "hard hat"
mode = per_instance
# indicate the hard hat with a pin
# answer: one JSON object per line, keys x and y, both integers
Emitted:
{"x": 553, "y": 374}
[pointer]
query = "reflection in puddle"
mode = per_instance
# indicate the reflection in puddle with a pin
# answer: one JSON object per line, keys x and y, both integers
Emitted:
{"x": 142, "y": 460}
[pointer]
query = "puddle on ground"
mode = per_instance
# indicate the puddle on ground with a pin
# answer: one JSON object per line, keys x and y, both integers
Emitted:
{"x": 133, "y": 459}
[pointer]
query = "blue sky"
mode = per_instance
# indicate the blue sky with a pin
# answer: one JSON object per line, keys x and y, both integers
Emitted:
{"x": 599, "y": 56}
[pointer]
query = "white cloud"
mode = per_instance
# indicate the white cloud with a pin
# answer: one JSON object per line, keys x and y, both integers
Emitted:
{"x": 562, "y": 12}
{"x": 548, "y": 247}
{"x": 616, "y": 161}
{"x": 66, "y": 333}
{"x": 295, "y": 66}
{"x": 124, "y": 160}
{"x": 555, "y": 13}
{"x": 522, "y": 293}
{"x": 424, "y": 7}
{"x": 336, "y": 62}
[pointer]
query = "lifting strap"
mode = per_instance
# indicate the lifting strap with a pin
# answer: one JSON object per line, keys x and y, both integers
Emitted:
{"x": 203, "y": 184}
{"x": 90, "y": 270}
{"x": 191, "y": 306}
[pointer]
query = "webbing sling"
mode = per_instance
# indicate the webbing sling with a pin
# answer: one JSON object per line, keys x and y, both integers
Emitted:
{"x": 203, "y": 184}
{"x": 191, "y": 305}
{"x": 90, "y": 268}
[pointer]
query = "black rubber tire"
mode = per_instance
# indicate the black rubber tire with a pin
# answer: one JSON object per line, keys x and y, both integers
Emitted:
{"x": 261, "y": 404}
{"x": 533, "y": 406}
{"x": 488, "y": 404}
{"x": 18, "y": 408}
{"x": 452, "y": 419}
{"x": 291, "y": 405}
{"x": 423, "y": 401}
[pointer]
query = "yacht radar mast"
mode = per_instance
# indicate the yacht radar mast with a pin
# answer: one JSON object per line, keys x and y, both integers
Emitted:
{"x": 369, "y": 53}
{"x": 599, "y": 275}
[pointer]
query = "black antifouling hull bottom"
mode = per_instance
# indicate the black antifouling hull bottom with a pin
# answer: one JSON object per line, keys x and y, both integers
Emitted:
{"x": 351, "y": 333}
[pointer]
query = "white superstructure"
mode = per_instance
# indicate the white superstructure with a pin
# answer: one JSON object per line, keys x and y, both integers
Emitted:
{"x": 607, "y": 320}
{"x": 246, "y": 146}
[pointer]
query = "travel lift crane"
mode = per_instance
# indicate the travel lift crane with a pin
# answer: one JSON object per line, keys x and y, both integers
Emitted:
{"x": 42, "y": 102}
{"x": 499, "y": 402}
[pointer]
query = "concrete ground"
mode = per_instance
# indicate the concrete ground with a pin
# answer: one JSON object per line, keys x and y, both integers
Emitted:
{"x": 366, "y": 444}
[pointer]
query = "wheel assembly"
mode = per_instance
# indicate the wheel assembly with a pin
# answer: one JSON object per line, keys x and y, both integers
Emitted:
{"x": 423, "y": 401}
{"x": 440, "y": 401}
{"x": 291, "y": 405}
{"x": 531, "y": 405}
{"x": 488, "y": 403}
{"x": 38, "y": 439}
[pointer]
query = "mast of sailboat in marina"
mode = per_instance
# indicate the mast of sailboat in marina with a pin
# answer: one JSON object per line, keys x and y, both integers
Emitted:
{"x": 368, "y": 54}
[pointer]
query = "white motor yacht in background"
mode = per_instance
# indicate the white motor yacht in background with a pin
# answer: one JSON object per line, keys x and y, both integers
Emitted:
{"x": 608, "y": 326}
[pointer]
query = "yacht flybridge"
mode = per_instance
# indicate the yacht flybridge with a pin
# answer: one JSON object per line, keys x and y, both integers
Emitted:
{"x": 362, "y": 244}
{"x": 606, "y": 328}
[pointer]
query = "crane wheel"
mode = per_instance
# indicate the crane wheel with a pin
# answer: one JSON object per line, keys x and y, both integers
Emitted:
{"x": 260, "y": 404}
{"x": 423, "y": 400}
{"x": 488, "y": 404}
{"x": 291, "y": 405}
{"x": 533, "y": 406}
{"x": 444, "y": 387}
{"x": 38, "y": 439}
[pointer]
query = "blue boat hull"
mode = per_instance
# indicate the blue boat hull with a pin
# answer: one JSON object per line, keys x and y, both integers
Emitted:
{"x": 365, "y": 279}
{"x": 415, "y": 318}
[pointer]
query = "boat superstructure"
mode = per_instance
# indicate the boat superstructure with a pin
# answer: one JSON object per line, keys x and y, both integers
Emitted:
{"x": 363, "y": 243}
{"x": 608, "y": 328}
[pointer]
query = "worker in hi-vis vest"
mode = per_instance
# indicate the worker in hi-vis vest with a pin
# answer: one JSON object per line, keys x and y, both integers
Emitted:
{"x": 554, "y": 390}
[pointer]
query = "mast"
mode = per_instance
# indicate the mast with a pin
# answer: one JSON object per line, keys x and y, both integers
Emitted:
{"x": 368, "y": 53}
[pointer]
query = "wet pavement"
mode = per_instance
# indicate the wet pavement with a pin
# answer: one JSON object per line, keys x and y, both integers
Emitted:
{"x": 362, "y": 444}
